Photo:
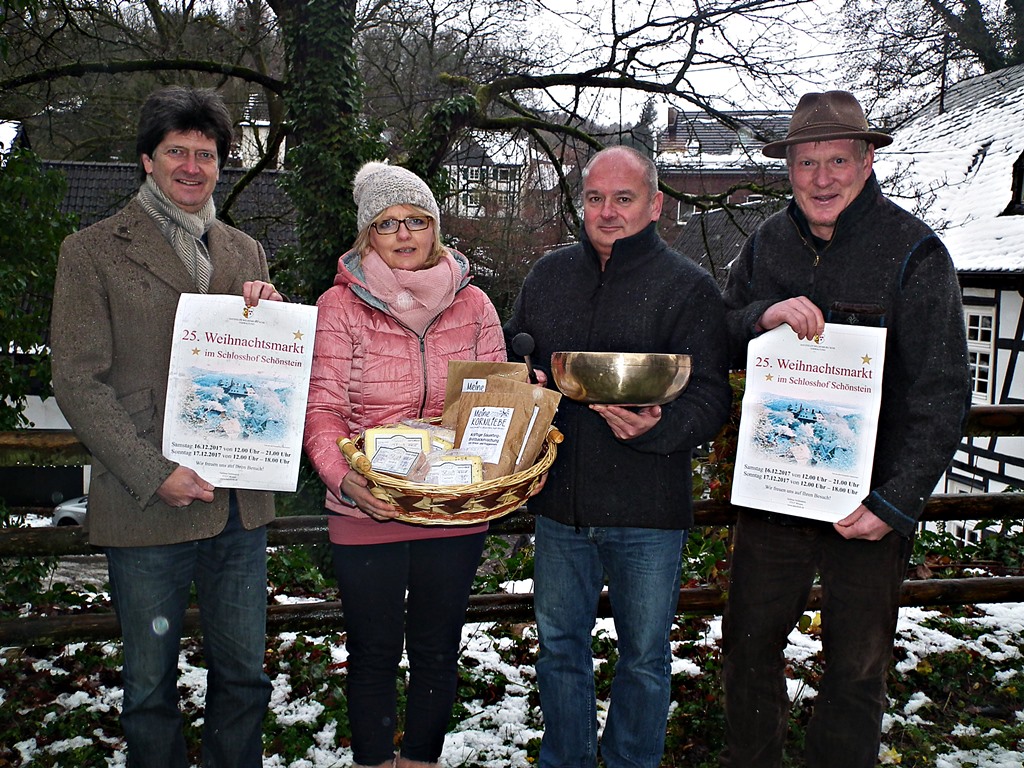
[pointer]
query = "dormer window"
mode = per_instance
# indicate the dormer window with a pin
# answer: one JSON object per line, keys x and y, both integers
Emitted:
{"x": 1016, "y": 206}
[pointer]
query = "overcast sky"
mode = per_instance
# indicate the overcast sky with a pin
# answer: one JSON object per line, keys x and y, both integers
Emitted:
{"x": 817, "y": 58}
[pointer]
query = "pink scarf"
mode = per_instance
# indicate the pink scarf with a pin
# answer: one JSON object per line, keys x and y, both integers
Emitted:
{"x": 416, "y": 297}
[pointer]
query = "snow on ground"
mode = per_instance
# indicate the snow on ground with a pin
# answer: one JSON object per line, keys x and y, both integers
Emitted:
{"x": 37, "y": 521}
{"x": 495, "y": 735}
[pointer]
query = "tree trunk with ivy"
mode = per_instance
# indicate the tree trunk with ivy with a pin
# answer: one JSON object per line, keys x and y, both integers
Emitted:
{"x": 330, "y": 140}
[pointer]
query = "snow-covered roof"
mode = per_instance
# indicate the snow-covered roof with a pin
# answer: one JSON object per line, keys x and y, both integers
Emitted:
{"x": 499, "y": 148}
{"x": 256, "y": 110}
{"x": 504, "y": 149}
{"x": 740, "y": 159}
{"x": 701, "y": 140}
{"x": 490, "y": 148}
{"x": 954, "y": 169}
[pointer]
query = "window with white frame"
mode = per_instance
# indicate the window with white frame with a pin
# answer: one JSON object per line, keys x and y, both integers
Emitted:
{"x": 683, "y": 212}
{"x": 473, "y": 173}
{"x": 980, "y": 350}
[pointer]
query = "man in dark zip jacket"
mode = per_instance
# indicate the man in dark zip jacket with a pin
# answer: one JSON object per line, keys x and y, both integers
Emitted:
{"x": 840, "y": 253}
{"x": 617, "y": 502}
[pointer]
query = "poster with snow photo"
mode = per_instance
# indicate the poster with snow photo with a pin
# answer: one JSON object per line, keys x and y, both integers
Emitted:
{"x": 809, "y": 420}
{"x": 237, "y": 390}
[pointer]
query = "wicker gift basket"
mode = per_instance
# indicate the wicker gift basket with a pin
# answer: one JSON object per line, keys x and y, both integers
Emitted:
{"x": 427, "y": 504}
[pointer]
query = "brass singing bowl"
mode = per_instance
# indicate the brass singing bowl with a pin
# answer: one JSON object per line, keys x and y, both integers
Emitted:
{"x": 620, "y": 378}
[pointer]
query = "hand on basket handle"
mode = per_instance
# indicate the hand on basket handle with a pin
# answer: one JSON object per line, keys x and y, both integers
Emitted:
{"x": 356, "y": 488}
{"x": 538, "y": 486}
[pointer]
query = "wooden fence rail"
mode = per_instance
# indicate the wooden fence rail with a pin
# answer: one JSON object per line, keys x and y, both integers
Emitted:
{"x": 326, "y": 616}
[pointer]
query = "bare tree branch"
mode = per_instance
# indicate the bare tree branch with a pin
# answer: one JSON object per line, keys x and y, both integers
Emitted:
{"x": 82, "y": 68}
{"x": 972, "y": 31}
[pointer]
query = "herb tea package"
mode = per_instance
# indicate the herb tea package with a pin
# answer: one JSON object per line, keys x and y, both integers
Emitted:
{"x": 505, "y": 425}
{"x": 471, "y": 376}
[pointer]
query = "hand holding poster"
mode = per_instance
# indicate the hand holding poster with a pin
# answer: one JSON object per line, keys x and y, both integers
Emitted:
{"x": 809, "y": 421}
{"x": 237, "y": 390}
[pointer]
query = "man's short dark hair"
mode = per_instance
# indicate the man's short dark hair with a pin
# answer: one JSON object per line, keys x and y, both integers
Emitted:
{"x": 178, "y": 108}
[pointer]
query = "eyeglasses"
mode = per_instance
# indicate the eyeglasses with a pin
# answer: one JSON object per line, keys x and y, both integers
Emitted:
{"x": 390, "y": 226}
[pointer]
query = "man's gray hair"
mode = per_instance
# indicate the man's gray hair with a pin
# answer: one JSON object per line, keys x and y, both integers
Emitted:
{"x": 650, "y": 170}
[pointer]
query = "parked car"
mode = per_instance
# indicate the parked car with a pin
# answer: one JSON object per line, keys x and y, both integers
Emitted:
{"x": 71, "y": 512}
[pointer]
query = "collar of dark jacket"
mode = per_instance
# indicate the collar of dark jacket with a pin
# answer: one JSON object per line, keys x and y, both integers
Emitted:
{"x": 848, "y": 219}
{"x": 628, "y": 252}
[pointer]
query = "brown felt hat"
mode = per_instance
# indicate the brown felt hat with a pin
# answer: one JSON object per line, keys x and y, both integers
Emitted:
{"x": 826, "y": 117}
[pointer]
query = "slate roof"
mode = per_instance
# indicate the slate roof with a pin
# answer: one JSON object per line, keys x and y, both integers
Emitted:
{"x": 257, "y": 110}
{"x": 468, "y": 152}
{"x": 714, "y": 238}
{"x": 954, "y": 169}
{"x": 97, "y": 190}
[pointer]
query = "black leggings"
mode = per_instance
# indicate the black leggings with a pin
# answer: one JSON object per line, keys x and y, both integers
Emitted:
{"x": 373, "y": 580}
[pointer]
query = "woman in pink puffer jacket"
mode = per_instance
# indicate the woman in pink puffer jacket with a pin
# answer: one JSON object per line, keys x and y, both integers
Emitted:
{"x": 401, "y": 307}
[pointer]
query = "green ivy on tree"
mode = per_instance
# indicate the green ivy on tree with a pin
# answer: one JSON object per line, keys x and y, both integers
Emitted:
{"x": 332, "y": 142}
{"x": 30, "y": 238}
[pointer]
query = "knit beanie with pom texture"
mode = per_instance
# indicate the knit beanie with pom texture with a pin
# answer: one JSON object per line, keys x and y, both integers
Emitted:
{"x": 378, "y": 186}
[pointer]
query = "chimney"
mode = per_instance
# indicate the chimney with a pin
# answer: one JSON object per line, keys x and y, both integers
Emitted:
{"x": 673, "y": 118}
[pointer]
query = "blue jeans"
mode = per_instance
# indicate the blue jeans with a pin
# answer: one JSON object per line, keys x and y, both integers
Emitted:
{"x": 642, "y": 568}
{"x": 373, "y": 581}
{"x": 150, "y": 590}
{"x": 773, "y": 567}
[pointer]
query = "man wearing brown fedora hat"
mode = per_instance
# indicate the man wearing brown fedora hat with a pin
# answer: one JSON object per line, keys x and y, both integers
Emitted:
{"x": 840, "y": 253}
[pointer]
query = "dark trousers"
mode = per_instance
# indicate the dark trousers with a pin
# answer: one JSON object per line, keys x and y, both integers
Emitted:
{"x": 150, "y": 589}
{"x": 373, "y": 581}
{"x": 773, "y": 569}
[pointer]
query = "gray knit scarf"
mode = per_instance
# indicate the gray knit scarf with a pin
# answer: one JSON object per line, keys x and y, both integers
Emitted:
{"x": 183, "y": 230}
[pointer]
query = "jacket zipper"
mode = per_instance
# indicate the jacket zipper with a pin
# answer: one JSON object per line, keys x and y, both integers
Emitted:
{"x": 423, "y": 359}
{"x": 809, "y": 246}
{"x": 423, "y": 347}
{"x": 423, "y": 372}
